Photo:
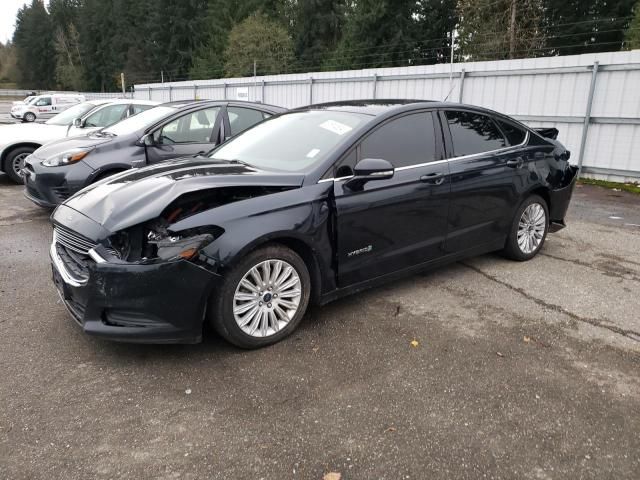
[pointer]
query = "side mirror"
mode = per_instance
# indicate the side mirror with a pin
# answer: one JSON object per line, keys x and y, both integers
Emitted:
{"x": 369, "y": 169}
{"x": 77, "y": 122}
{"x": 147, "y": 140}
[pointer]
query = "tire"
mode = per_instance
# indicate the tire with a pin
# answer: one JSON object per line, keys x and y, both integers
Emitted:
{"x": 29, "y": 117}
{"x": 530, "y": 227}
{"x": 268, "y": 311}
{"x": 14, "y": 161}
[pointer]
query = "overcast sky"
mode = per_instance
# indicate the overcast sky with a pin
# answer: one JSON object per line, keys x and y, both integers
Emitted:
{"x": 8, "y": 11}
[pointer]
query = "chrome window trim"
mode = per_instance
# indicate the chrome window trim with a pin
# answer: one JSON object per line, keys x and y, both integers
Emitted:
{"x": 446, "y": 160}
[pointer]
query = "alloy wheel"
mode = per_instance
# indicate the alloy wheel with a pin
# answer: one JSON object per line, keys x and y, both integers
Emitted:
{"x": 18, "y": 163}
{"x": 267, "y": 298}
{"x": 531, "y": 228}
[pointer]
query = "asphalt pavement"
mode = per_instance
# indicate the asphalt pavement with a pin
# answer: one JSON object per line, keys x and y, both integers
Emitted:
{"x": 486, "y": 368}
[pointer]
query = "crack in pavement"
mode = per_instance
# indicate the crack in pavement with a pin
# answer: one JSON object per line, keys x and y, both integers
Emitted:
{"x": 635, "y": 336}
{"x": 631, "y": 276}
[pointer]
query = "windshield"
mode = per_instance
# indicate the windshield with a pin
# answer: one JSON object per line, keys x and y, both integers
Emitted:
{"x": 33, "y": 100}
{"x": 292, "y": 142}
{"x": 67, "y": 117}
{"x": 140, "y": 121}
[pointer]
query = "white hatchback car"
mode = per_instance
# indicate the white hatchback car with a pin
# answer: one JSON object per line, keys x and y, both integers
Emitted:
{"x": 18, "y": 141}
{"x": 45, "y": 106}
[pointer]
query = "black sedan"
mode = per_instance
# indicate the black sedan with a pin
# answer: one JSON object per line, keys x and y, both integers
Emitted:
{"x": 305, "y": 207}
{"x": 59, "y": 169}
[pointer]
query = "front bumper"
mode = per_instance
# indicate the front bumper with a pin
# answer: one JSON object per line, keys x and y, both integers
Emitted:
{"x": 155, "y": 303}
{"x": 50, "y": 186}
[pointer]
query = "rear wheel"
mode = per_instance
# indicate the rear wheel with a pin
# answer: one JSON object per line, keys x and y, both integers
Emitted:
{"x": 262, "y": 299}
{"x": 29, "y": 117}
{"x": 528, "y": 229}
{"x": 14, "y": 162}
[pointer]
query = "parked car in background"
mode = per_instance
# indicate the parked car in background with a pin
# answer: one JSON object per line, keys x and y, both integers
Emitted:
{"x": 30, "y": 96}
{"x": 18, "y": 141}
{"x": 59, "y": 169}
{"x": 45, "y": 106}
{"x": 305, "y": 207}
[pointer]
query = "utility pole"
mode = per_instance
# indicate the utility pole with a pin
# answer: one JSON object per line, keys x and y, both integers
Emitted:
{"x": 451, "y": 64}
{"x": 255, "y": 81}
{"x": 512, "y": 30}
{"x": 161, "y": 76}
{"x": 124, "y": 88}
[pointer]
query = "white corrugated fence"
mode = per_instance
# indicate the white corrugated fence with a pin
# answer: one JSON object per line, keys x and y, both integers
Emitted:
{"x": 592, "y": 98}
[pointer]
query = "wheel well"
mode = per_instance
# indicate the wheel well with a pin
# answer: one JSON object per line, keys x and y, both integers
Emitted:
{"x": 309, "y": 258}
{"x": 10, "y": 149}
{"x": 544, "y": 193}
{"x": 107, "y": 173}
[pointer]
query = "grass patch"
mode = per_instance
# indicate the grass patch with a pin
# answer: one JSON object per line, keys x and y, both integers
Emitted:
{"x": 625, "y": 187}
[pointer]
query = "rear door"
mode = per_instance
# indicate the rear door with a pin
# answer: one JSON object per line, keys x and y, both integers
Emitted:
{"x": 192, "y": 133}
{"x": 399, "y": 222}
{"x": 484, "y": 169}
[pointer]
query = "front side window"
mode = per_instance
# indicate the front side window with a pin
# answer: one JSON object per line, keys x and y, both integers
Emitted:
{"x": 194, "y": 127}
{"x": 406, "y": 141}
{"x": 241, "y": 119}
{"x": 293, "y": 142}
{"x": 43, "y": 102}
{"x": 473, "y": 133}
{"x": 106, "y": 116}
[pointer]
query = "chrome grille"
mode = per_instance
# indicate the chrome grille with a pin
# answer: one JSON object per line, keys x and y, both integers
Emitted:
{"x": 73, "y": 241}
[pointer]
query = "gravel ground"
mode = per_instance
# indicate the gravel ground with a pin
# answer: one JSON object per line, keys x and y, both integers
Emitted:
{"x": 520, "y": 370}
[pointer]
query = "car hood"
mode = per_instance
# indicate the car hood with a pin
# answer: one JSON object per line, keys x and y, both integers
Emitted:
{"x": 63, "y": 145}
{"x": 31, "y": 132}
{"x": 138, "y": 195}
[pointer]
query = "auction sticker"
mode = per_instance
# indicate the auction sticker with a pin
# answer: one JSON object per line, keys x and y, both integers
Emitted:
{"x": 336, "y": 127}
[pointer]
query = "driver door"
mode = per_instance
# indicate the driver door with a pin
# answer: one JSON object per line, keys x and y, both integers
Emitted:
{"x": 393, "y": 224}
{"x": 193, "y": 133}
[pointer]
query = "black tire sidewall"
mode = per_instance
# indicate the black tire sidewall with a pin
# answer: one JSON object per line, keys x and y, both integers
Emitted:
{"x": 221, "y": 311}
{"x": 512, "y": 249}
{"x": 8, "y": 163}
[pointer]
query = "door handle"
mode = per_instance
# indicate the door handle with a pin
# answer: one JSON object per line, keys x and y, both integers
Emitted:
{"x": 433, "y": 178}
{"x": 515, "y": 162}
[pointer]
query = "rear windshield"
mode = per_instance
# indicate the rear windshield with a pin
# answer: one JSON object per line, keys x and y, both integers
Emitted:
{"x": 140, "y": 121}
{"x": 293, "y": 142}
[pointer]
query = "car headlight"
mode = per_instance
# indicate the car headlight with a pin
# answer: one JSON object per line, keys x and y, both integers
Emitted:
{"x": 177, "y": 246}
{"x": 66, "y": 158}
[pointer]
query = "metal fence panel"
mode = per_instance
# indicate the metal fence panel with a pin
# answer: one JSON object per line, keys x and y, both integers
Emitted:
{"x": 549, "y": 91}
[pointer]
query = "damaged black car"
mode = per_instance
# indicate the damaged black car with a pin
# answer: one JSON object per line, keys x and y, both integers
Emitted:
{"x": 306, "y": 207}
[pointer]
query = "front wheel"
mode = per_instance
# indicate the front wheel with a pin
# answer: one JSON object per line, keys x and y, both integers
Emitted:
{"x": 14, "y": 162}
{"x": 528, "y": 229}
{"x": 29, "y": 117}
{"x": 262, "y": 299}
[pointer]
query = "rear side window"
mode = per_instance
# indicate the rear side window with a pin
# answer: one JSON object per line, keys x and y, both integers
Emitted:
{"x": 514, "y": 134}
{"x": 473, "y": 133}
{"x": 406, "y": 141}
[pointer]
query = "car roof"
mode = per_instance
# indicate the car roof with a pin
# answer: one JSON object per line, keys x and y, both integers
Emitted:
{"x": 377, "y": 107}
{"x": 183, "y": 104}
{"x": 103, "y": 101}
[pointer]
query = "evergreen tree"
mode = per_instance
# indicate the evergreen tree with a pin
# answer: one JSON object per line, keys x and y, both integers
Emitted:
{"x": 495, "y": 30}
{"x": 316, "y": 30}
{"x": 259, "y": 39}
{"x": 586, "y": 26}
{"x": 632, "y": 35}
{"x": 380, "y": 33}
{"x": 34, "y": 42}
